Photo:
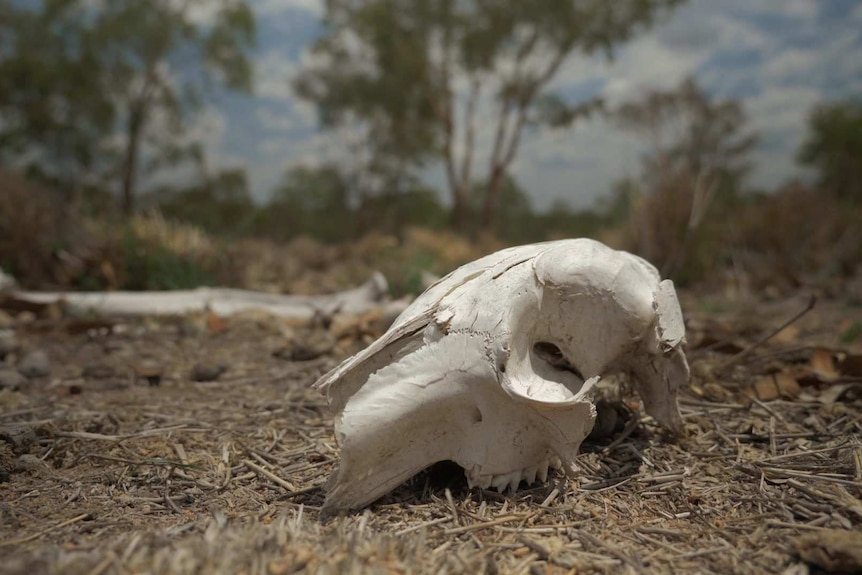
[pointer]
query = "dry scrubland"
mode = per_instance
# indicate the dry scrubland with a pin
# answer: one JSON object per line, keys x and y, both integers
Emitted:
{"x": 195, "y": 444}
{"x": 119, "y": 461}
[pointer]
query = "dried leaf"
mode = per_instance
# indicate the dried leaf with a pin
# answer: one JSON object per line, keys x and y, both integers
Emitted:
{"x": 766, "y": 390}
{"x": 833, "y": 393}
{"x": 823, "y": 365}
{"x": 215, "y": 324}
{"x": 789, "y": 334}
{"x": 787, "y": 385}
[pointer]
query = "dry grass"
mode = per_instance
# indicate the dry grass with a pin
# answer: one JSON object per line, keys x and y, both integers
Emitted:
{"x": 111, "y": 475}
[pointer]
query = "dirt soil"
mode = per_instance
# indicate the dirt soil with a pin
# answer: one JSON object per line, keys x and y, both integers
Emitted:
{"x": 118, "y": 461}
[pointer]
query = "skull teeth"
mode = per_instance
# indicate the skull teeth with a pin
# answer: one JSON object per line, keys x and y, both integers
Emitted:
{"x": 511, "y": 480}
{"x": 542, "y": 471}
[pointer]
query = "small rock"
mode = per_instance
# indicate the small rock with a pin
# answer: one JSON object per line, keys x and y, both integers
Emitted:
{"x": 97, "y": 371}
{"x": 31, "y": 463}
{"x": 35, "y": 364}
{"x": 208, "y": 371}
{"x": 7, "y": 282}
{"x": 6, "y": 320}
{"x": 8, "y": 344}
{"x": 311, "y": 345}
{"x": 149, "y": 372}
{"x": 11, "y": 379}
{"x": 20, "y": 437}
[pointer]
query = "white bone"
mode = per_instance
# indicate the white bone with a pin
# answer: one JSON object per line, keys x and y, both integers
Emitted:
{"x": 494, "y": 365}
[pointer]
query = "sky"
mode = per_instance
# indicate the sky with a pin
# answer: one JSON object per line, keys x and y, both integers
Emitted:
{"x": 778, "y": 57}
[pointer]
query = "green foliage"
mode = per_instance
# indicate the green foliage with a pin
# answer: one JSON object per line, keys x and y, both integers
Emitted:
{"x": 221, "y": 205}
{"x": 851, "y": 334}
{"x": 309, "y": 201}
{"x": 76, "y": 74}
{"x": 397, "y": 66}
{"x": 54, "y": 112}
{"x": 149, "y": 266}
{"x": 834, "y": 147}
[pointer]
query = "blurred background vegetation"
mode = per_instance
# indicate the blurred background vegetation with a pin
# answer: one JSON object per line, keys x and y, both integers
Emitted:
{"x": 84, "y": 85}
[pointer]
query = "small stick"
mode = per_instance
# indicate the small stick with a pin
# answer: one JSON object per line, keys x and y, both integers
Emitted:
{"x": 101, "y": 567}
{"x": 484, "y": 524}
{"x": 694, "y": 554}
{"x": 550, "y": 498}
{"x": 454, "y": 509}
{"x": 586, "y": 537}
{"x": 630, "y": 426}
{"x": 269, "y": 475}
{"x": 422, "y": 525}
{"x": 747, "y": 351}
{"x": 44, "y": 531}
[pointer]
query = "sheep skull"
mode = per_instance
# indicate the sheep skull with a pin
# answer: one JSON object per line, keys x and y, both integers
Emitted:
{"x": 493, "y": 368}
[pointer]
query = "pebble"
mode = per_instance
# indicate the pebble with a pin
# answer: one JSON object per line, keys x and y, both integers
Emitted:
{"x": 208, "y": 371}
{"x": 8, "y": 344}
{"x": 35, "y": 364}
{"x": 149, "y": 372}
{"x": 30, "y": 463}
{"x": 19, "y": 436}
{"x": 11, "y": 379}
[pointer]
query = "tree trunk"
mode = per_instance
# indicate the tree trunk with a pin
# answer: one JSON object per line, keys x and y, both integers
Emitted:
{"x": 495, "y": 184}
{"x": 130, "y": 162}
{"x": 460, "y": 214}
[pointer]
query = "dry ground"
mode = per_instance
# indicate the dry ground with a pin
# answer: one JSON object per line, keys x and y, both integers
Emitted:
{"x": 107, "y": 473}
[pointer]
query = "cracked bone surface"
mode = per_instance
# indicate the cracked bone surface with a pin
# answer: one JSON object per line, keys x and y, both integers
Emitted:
{"x": 493, "y": 367}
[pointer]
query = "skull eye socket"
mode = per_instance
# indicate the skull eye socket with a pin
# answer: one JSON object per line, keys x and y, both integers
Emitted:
{"x": 553, "y": 356}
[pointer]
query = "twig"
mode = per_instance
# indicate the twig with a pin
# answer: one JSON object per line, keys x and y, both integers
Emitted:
{"x": 115, "y": 438}
{"x": 485, "y": 524}
{"x": 550, "y": 498}
{"x": 66, "y": 523}
{"x": 695, "y": 554}
{"x": 745, "y": 352}
{"x": 422, "y": 525}
{"x": 454, "y": 509}
{"x": 630, "y": 426}
{"x": 101, "y": 567}
{"x": 269, "y": 475}
{"x": 587, "y": 538}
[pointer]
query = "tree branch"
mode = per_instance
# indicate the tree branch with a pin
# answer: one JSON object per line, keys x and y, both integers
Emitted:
{"x": 470, "y": 135}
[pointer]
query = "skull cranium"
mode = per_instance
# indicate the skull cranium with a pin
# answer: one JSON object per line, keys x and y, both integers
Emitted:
{"x": 494, "y": 365}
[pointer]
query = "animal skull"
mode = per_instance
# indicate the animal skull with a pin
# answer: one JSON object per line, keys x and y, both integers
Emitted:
{"x": 493, "y": 368}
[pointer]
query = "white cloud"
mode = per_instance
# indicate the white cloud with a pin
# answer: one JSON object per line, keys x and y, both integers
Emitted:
{"x": 274, "y": 7}
{"x": 274, "y": 71}
{"x": 576, "y": 165}
{"x": 292, "y": 119}
{"x": 702, "y": 37}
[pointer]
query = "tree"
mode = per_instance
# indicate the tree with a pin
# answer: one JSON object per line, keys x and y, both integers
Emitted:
{"x": 54, "y": 112}
{"x": 75, "y": 74}
{"x": 697, "y": 151}
{"x": 160, "y": 63}
{"x": 221, "y": 204}
{"x": 834, "y": 147}
{"x": 422, "y": 74}
{"x": 312, "y": 201}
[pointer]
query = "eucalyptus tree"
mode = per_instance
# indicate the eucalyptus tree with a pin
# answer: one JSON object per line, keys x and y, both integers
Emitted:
{"x": 162, "y": 58}
{"x": 456, "y": 82}
{"x": 833, "y": 147}
{"x": 697, "y": 150}
{"x": 92, "y": 87}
